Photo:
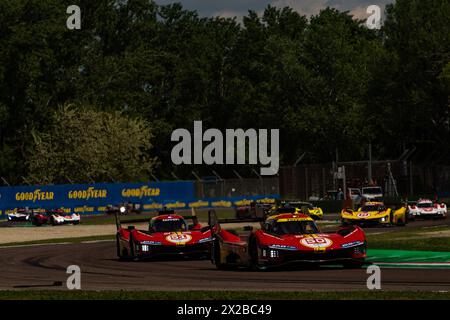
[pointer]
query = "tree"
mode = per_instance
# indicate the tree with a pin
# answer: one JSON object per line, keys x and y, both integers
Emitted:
{"x": 82, "y": 144}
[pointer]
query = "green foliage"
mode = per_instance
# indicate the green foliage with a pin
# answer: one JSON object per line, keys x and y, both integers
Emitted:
{"x": 84, "y": 145}
{"x": 328, "y": 83}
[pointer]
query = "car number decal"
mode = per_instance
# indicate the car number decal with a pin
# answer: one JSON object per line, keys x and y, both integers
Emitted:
{"x": 316, "y": 242}
{"x": 178, "y": 238}
{"x": 363, "y": 215}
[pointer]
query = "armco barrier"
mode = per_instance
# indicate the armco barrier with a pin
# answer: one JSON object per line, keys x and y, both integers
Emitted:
{"x": 93, "y": 198}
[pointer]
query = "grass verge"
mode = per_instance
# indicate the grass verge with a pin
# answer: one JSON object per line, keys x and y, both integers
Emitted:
{"x": 420, "y": 238}
{"x": 219, "y": 295}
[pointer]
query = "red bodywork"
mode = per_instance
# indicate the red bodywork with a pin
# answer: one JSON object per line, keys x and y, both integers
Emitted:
{"x": 194, "y": 241}
{"x": 39, "y": 219}
{"x": 263, "y": 248}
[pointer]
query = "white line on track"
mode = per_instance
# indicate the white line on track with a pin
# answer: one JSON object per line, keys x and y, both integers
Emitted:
{"x": 6, "y": 246}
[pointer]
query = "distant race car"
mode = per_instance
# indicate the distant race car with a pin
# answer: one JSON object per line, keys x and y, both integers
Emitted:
{"x": 168, "y": 234}
{"x": 425, "y": 208}
{"x": 375, "y": 214}
{"x": 286, "y": 238}
{"x": 20, "y": 215}
{"x": 124, "y": 209}
{"x": 243, "y": 212}
{"x": 55, "y": 217}
{"x": 372, "y": 193}
{"x": 58, "y": 217}
{"x": 307, "y": 208}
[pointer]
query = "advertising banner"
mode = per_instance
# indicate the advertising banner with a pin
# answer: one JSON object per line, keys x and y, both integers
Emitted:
{"x": 94, "y": 198}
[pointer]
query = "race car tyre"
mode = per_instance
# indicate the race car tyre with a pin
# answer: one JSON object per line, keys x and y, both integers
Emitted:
{"x": 36, "y": 222}
{"x": 132, "y": 247}
{"x": 401, "y": 222}
{"x": 75, "y": 223}
{"x": 215, "y": 255}
{"x": 119, "y": 253}
{"x": 254, "y": 256}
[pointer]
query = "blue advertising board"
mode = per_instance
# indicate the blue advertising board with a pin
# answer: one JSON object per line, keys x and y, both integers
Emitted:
{"x": 94, "y": 198}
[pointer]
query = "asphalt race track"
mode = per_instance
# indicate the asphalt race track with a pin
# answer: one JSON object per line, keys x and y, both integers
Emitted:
{"x": 44, "y": 267}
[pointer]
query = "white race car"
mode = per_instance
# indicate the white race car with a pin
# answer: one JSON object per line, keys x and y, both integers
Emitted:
{"x": 58, "y": 217}
{"x": 20, "y": 215}
{"x": 425, "y": 208}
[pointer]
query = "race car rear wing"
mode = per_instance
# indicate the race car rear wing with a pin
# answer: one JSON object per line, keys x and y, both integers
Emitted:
{"x": 128, "y": 221}
{"x": 119, "y": 222}
{"x": 213, "y": 220}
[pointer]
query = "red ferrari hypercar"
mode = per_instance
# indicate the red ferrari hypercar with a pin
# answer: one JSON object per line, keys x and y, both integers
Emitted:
{"x": 285, "y": 239}
{"x": 168, "y": 234}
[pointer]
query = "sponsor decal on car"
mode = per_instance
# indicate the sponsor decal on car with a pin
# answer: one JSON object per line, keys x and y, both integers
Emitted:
{"x": 151, "y": 243}
{"x": 352, "y": 244}
{"x": 205, "y": 240}
{"x": 282, "y": 247}
{"x": 293, "y": 219}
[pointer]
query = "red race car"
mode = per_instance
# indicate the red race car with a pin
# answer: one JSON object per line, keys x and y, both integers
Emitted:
{"x": 168, "y": 234}
{"x": 287, "y": 238}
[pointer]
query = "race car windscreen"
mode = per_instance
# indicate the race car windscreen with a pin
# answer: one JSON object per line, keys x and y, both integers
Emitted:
{"x": 169, "y": 225}
{"x": 373, "y": 208}
{"x": 425, "y": 205}
{"x": 294, "y": 227}
{"x": 286, "y": 210}
{"x": 372, "y": 191}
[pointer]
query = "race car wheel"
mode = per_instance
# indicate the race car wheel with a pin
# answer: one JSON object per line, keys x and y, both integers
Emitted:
{"x": 75, "y": 223}
{"x": 132, "y": 247}
{"x": 118, "y": 251}
{"x": 254, "y": 255}
{"x": 401, "y": 222}
{"x": 215, "y": 256}
{"x": 36, "y": 222}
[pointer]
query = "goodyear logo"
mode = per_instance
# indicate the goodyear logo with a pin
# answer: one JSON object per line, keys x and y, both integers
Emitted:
{"x": 243, "y": 202}
{"x": 36, "y": 195}
{"x": 144, "y": 191}
{"x": 222, "y": 203}
{"x": 175, "y": 205}
{"x": 153, "y": 206}
{"x": 198, "y": 204}
{"x": 89, "y": 193}
{"x": 266, "y": 201}
{"x": 83, "y": 209}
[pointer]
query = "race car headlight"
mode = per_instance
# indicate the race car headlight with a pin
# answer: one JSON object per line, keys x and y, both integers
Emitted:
{"x": 122, "y": 209}
{"x": 384, "y": 219}
{"x": 273, "y": 254}
{"x": 269, "y": 253}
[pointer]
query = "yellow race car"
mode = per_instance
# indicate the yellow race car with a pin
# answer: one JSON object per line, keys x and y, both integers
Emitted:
{"x": 374, "y": 214}
{"x": 307, "y": 208}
